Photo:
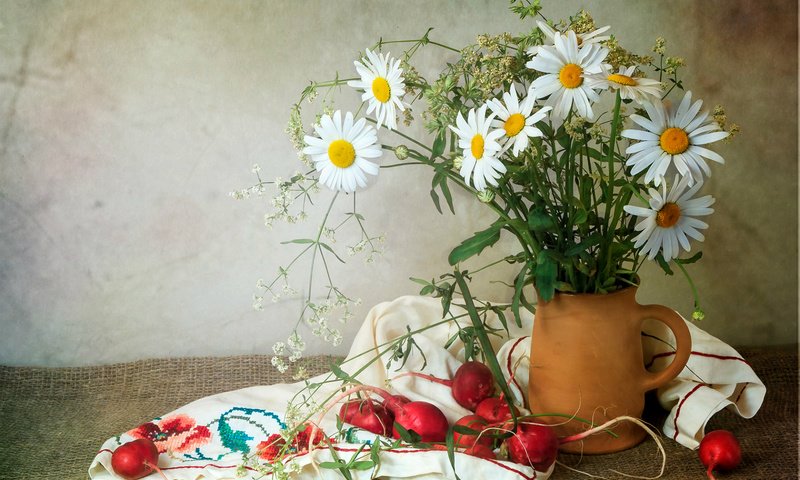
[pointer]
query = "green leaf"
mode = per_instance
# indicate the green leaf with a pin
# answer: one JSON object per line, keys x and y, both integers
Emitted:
{"x": 545, "y": 276}
{"x": 408, "y": 436}
{"x": 438, "y": 145}
{"x": 299, "y": 240}
{"x": 581, "y": 216}
{"x": 519, "y": 284}
{"x": 340, "y": 374}
{"x": 539, "y": 221}
{"x": 435, "y": 199}
{"x": 451, "y": 448}
{"x": 374, "y": 453}
{"x": 328, "y": 248}
{"x": 486, "y": 344}
{"x": 663, "y": 264}
{"x": 685, "y": 261}
{"x": 447, "y": 195}
{"x": 475, "y": 244}
{"x": 361, "y": 465}
{"x": 587, "y": 242}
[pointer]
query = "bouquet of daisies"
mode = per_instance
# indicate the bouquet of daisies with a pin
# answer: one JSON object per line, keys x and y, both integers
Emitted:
{"x": 591, "y": 156}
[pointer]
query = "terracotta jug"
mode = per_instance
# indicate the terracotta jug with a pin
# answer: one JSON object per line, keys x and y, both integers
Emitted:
{"x": 587, "y": 361}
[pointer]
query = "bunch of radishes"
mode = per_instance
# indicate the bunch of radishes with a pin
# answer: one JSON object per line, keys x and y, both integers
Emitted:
{"x": 478, "y": 434}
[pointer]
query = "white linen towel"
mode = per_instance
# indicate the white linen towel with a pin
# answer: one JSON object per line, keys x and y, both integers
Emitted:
{"x": 208, "y": 438}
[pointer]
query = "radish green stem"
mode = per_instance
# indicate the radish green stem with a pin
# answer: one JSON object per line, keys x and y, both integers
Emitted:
{"x": 441, "y": 381}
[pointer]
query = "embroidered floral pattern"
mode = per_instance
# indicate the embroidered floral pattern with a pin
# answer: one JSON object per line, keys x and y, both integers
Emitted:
{"x": 177, "y": 433}
{"x": 270, "y": 448}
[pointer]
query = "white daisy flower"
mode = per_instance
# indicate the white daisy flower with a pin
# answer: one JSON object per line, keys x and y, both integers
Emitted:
{"x": 566, "y": 66}
{"x": 382, "y": 83}
{"x": 630, "y": 88}
{"x": 340, "y": 153}
{"x": 673, "y": 137}
{"x": 668, "y": 222}
{"x": 480, "y": 148}
{"x": 593, "y": 37}
{"x": 516, "y": 120}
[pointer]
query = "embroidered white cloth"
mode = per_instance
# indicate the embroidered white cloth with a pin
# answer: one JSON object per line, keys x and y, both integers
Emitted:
{"x": 208, "y": 438}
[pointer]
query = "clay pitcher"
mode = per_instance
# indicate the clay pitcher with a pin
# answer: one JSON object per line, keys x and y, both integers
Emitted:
{"x": 587, "y": 361}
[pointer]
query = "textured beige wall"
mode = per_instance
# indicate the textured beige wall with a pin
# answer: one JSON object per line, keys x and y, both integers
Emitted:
{"x": 123, "y": 126}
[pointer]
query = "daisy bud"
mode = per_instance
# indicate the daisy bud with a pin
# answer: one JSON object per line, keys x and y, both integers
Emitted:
{"x": 698, "y": 315}
{"x": 486, "y": 196}
{"x": 457, "y": 162}
{"x": 401, "y": 152}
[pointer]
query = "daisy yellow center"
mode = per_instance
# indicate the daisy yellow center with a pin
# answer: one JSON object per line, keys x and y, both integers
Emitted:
{"x": 342, "y": 153}
{"x": 621, "y": 79}
{"x": 674, "y": 141}
{"x": 381, "y": 89}
{"x": 514, "y": 124}
{"x": 669, "y": 215}
{"x": 571, "y": 75}
{"x": 477, "y": 147}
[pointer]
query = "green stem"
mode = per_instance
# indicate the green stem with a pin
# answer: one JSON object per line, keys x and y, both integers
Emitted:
{"x": 410, "y": 139}
{"x": 420, "y": 41}
{"x": 691, "y": 284}
{"x": 486, "y": 344}
{"x": 314, "y": 255}
{"x": 611, "y": 226}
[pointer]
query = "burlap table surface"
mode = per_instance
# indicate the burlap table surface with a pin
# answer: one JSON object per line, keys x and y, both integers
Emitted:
{"x": 53, "y": 420}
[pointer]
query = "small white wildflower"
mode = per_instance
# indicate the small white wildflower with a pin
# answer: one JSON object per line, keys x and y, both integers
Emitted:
{"x": 258, "y": 302}
{"x": 301, "y": 374}
{"x": 260, "y": 283}
{"x": 293, "y": 467}
{"x": 296, "y": 342}
{"x": 279, "y": 348}
{"x": 279, "y": 364}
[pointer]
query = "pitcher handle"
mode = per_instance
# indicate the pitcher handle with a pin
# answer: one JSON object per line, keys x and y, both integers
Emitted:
{"x": 683, "y": 344}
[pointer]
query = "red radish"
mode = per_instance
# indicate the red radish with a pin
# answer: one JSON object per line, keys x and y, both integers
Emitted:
{"x": 473, "y": 422}
{"x": 472, "y": 382}
{"x": 534, "y": 445}
{"x": 135, "y": 459}
{"x": 394, "y": 402}
{"x": 719, "y": 450}
{"x": 423, "y": 418}
{"x": 481, "y": 451}
{"x": 494, "y": 410}
{"x": 368, "y": 414}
